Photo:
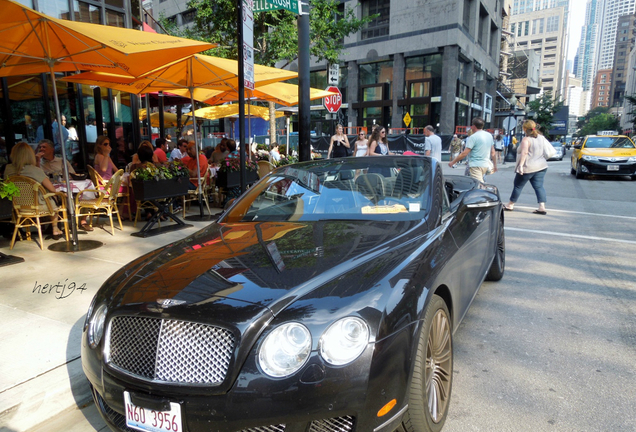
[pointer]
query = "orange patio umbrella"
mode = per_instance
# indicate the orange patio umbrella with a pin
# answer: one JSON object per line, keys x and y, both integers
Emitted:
{"x": 279, "y": 92}
{"x": 31, "y": 42}
{"x": 195, "y": 74}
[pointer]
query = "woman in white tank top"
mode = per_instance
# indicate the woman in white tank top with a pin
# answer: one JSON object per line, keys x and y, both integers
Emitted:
{"x": 361, "y": 145}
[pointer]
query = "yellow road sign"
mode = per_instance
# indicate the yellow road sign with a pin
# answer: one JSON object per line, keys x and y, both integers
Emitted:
{"x": 407, "y": 119}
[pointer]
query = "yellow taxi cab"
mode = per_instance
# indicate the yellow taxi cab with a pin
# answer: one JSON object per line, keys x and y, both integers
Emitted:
{"x": 604, "y": 155}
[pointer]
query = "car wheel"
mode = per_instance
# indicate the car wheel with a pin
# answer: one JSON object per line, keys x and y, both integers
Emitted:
{"x": 498, "y": 265}
{"x": 579, "y": 174}
{"x": 572, "y": 171}
{"x": 430, "y": 390}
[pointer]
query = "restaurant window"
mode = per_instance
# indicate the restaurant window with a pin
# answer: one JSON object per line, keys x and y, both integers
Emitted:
{"x": 85, "y": 12}
{"x": 379, "y": 26}
{"x": 115, "y": 19}
{"x": 28, "y": 109}
{"x": 55, "y": 8}
{"x": 115, "y": 3}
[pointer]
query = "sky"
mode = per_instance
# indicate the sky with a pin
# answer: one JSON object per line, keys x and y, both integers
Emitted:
{"x": 577, "y": 18}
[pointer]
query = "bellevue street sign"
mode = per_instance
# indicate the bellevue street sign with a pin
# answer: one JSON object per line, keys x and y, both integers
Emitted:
{"x": 268, "y": 5}
{"x": 333, "y": 102}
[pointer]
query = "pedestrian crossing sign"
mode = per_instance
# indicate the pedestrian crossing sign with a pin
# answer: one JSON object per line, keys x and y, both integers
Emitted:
{"x": 407, "y": 119}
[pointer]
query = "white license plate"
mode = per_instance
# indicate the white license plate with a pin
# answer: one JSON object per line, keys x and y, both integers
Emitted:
{"x": 150, "y": 420}
{"x": 612, "y": 167}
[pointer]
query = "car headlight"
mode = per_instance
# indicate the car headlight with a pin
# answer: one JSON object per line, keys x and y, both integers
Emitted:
{"x": 89, "y": 313}
{"x": 344, "y": 341}
{"x": 589, "y": 158}
{"x": 631, "y": 159}
{"x": 285, "y": 350}
{"x": 96, "y": 326}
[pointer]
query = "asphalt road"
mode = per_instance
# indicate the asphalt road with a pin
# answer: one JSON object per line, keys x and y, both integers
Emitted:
{"x": 552, "y": 346}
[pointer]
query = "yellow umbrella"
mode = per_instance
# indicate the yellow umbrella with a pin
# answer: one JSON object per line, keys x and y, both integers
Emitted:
{"x": 281, "y": 93}
{"x": 169, "y": 119}
{"x": 222, "y": 111}
{"x": 197, "y": 75}
{"x": 31, "y": 42}
{"x": 185, "y": 76}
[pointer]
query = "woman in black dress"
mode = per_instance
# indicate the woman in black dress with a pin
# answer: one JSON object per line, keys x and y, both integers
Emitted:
{"x": 339, "y": 144}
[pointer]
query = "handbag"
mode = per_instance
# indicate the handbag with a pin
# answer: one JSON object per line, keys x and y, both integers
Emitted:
{"x": 548, "y": 150}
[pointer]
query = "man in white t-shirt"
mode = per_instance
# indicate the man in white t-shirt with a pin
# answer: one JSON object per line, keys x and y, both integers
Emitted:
{"x": 480, "y": 147}
{"x": 433, "y": 143}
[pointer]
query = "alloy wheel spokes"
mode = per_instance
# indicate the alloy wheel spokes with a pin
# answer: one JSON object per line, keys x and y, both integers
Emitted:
{"x": 438, "y": 365}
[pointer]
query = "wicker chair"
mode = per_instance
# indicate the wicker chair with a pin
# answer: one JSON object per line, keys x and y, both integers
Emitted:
{"x": 100, "y": 184}
{"x": 104, "y": 203}
{"x": 33, "y": 204}
{"x": 264, "y": 168}
{"x": 193, "y": 195}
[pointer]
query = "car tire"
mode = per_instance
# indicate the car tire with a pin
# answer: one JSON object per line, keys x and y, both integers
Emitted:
{"x": 498, "y": 266}
{"x": 572, "y": 171}
{"x": 579, "y": 174}
{"x": 431, "y": 383}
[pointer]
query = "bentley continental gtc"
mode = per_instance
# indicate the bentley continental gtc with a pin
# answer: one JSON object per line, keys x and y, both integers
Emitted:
{"x": 323, "y": 299}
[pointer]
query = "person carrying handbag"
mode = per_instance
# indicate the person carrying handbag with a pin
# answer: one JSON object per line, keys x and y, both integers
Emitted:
{"x": 531, "y": 167}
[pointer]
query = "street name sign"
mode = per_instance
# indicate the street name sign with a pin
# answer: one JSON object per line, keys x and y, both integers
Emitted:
{"x": 268, "y": 5}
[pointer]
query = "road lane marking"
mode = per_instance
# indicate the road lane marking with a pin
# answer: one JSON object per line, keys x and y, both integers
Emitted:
{"x": 580, "y": 213}
{"x": 558, "y": 234}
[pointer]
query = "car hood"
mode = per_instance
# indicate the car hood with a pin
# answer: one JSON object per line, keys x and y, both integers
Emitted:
{"x": 609, "y": 152}
{"x": 265, "y": 264}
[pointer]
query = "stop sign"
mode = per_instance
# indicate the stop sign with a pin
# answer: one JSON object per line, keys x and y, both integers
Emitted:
{"x": 333, "y": 102}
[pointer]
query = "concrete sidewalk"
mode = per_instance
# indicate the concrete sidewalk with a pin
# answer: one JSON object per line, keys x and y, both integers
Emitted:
{"x": 43, "y": 303}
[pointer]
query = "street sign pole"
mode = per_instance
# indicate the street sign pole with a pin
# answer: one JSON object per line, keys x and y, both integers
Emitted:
{"x": 304, "y": 107}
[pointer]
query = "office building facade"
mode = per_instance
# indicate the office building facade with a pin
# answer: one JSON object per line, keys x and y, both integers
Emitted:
{"x": 438, "y": 63}
{"x": 541, "y": 26}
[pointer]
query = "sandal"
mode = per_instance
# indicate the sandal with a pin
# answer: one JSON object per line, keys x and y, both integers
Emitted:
{"x": 541, "y": 212}
{"x": 86, "y": 227}
{"x": 506, "y": 208}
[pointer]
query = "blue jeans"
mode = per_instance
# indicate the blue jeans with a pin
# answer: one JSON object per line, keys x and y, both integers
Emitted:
{"x": 535, "y": 179}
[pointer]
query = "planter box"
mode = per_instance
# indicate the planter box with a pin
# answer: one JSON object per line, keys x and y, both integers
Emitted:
{"x": 232, "y": 179}
{"x": 6, "y": 208}
{"x": 146, "y": 190}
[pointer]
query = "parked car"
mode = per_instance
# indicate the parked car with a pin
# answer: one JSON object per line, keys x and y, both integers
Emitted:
{"x": 604, "y": 155}
{"x": 560, "y": 150}
{"x": 324, "y": 299}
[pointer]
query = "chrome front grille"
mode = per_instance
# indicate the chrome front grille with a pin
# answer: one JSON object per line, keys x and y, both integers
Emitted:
{"x": 276, "y": 428}
{"x": 170, "y": 350}
{"x": 336, "y": 424}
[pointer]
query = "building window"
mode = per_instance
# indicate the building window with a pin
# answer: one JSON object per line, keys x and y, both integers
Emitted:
{"x": 527, "y": 28}
{"x": 85, "y": 12}
{"x": 552, "y": 24}
{"x": 189, "y": 16}
{"x": 380, "y": 25}
{"x": 537, "y": 26}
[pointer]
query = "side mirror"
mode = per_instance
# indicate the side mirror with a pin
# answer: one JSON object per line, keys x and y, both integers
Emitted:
{"x": 480, "y": 200}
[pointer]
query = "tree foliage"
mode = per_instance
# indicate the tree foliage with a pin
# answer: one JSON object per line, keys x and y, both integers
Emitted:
{"x": 545, "y": 107}
{"x": 590, "y": 115}
{"x": 275, "y": 32}
{"x": 600, "y": 122}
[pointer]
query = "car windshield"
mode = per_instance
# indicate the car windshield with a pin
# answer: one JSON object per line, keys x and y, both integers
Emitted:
{"x": 367, "y": 188}
{"x": 556, "y": 144}
{"x": 609, "y": 142}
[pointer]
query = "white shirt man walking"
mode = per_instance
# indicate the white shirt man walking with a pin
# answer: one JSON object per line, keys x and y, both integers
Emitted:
{"x": 480, "y": 147}
{"x": 433, "y": 143}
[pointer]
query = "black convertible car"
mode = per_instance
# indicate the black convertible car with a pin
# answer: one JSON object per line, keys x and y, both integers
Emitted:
{"x": 324, "y": 299}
